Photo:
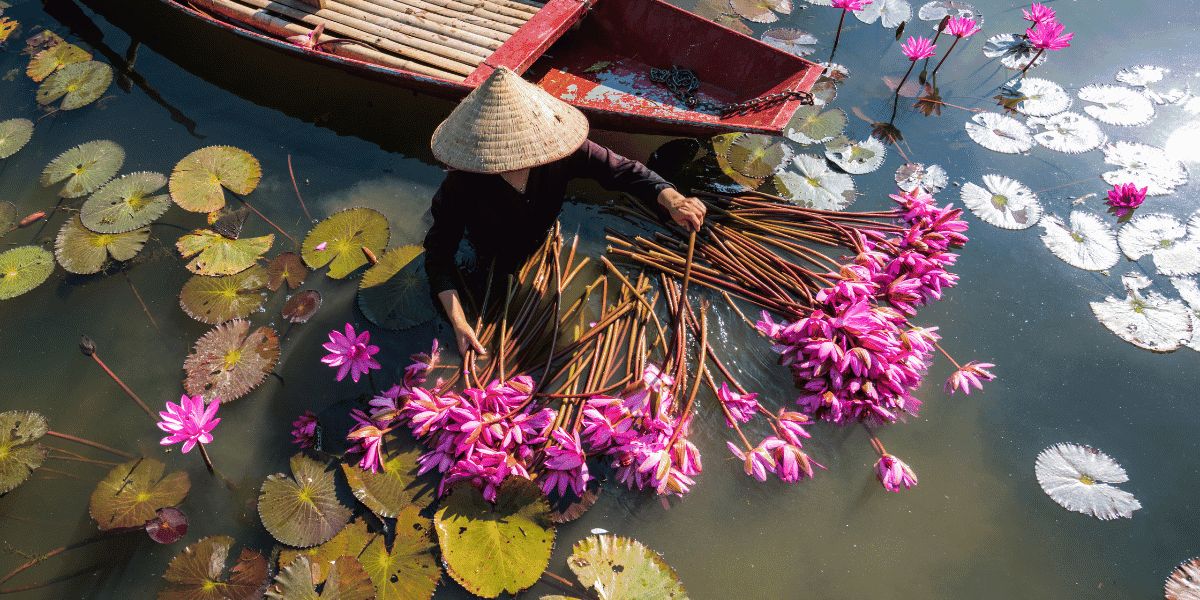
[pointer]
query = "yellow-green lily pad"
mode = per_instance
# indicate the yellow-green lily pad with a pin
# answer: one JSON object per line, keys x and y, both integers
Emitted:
{"x": 54, "y": 58}
{"x": 215, "y": 300}
{"x": 84, "y": 168}
{"x": 131, "y": 493}
{"x": 350, "y": 541}
{"x": 230, "y": 361}
{"x": 302, "y": 510}
{"x": 618, "y": 567}
{"x": 22, "y": 269}
{"x": 78, "y": 84}
{"x": 83, "y": 251}
{"x": 394, "y": 488}
{"x": 394, "y": 293}
{"x": 20, "y": 452}
{"x": 338, "y": 241}
{"x": 14, "y": 134}
{"x": 201, "y": 572}
{"x": 721, "y": 146}
{"x": 347, "y": 581}
{"x": 199, "y": 181}
{"x": 126, "y": 203}
{"x": 408, "y": 571}
{"x": 216, "y": 254}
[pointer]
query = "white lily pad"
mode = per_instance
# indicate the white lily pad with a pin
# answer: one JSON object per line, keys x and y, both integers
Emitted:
{"x": 1147, "y": 320}
{"x": 889, "y": 13}
{"x": 1079, "y": 478}
{"x": 1070, "y": 133}
{"x": 940, "y": 9}
{"x": 1184, "y": 582}
{"x": 1148, "y": 78}
{"x": 1013, "y": 50}
{"x": 1005, "y": 203}
{"x": 812, "y": 125}
{"x": 1117, "y": 105}
{"x": 1144, "y": 166}
{"x": 1000, "y": 133}
{"x": 857, "y": 158}
{"x": 812, "y": 184}
{"x": 1189, "y": 290}
{"x": 1039, "y": 97}
{"x": 1085, "y": 243}
{"x": 1164, "y": 238}
{"x": 792, "y": 41}
{"x": 931, "y": 178}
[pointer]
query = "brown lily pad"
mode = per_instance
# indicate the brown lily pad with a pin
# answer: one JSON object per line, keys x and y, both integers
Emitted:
{"x": 201, "y": 572}
{"x": 231, "y": 360}
{"x": 287, "y": 268}
{"x": 302, "y": 306}
{"x": 131, "y": 494}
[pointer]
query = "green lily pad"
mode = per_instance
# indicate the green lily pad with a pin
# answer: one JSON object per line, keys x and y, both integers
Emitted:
{"x": 201, "y": 572}
{"x": 408, "y": 571}
{"x": 230, "y": 361}
{"x": 78, "y": 84}
{"x": 85, "y": 168}
{"x": 344, "y": 235}
{"x": 394, "y": 293}
{"x": 350, "y": 541}
{"x": 14, "y": 134}
{"x": 20, "y": 454}
{"x": 618, "y": 568}
{"x": 54, "y": 58}
{"x": 199, "y": 181}
{"x": 495, "y": 549}
{"x": 83, "y": 252}
{"x": 392, "y": 490}
{"x": 721, "y": 145}
{"x": 215, "y": 300}
{"x": 302, "y": 510}
{"x": 287, "y": 268}
{"x": 812, "y": 125}
{"x": 131, "y": 493}
{"x": 218, "y": 255}
{"x": 758, "y": 156}
{"x": 126, "y": 203}
{"x": 301, "y": 306}
{"x": 347, "y": 581}
{"x": 22, "y": 269}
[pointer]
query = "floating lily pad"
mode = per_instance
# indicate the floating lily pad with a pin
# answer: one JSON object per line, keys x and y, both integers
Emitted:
{"x": 82, "y": 251}
{"x": 347, "y": 581}
{"x": 1184, "y": 581}
{"x": 201, "y": 572}
{"x": 286, "y": 268}
{"x": 199, "y": 181}
{"x": 168, "y": 526}
{"x": 1014, "y": 51}
{"x": 1068, "y": 132}
{"x": 229, "y": 223}
{"x": 302, "y": 510}
{"x": 1189, "y": 291}
{"x": 1078, "y": 478}
{"x": 342, "y": 238}
{"x": 14, "y": 134}
{"x": 792, "y": 41}
{"x": 1117, "y": 105}
{"x": 1037, "y": 97}
{"x": 812, "y": 184}
{"x": 389, "y": 491}
{"x": 53, "y": 58}
{"x": 1147, "y": 77}
{"x": 215, "y": 300}
{"x": 761, "y": 11}
{"x": 1144, "y": 166}
{"x": 721, "y": 145}
{"x": 132, "y": 493}
{"x": 350, "y": 541}
{"x": 617, "y": 568}
{"x": 20, "y": 452}
{"x": 408, "y": 571}
{"x": 1005, "y": 203}
{"x": 1165, "y": 239}
{"x": 230, "y": 361}
{"x": 218, "y": 255}
{"x": 22, "y": 269}
{"x": 394, "y": 293}
{"x": 758, "y": 156}
{"x": 78, "y": 84}
{"x": 856, "y": 158}
{"x": 1000, "y": 133}
{"x": 940, "y": 9}
{"x": 567, "y": 508}
{"x": 889, "y": 13}
{"x": 1087, "y": 243}
{"x": 85, "y": 168}
{"x": 7, "y": 28}
{"x": 301, "y": 306}
{"x": 1147, "y": 320}
{"x": 931, "y": 178}
{"x": 495, "y": 549}
{"x": 126, "y": 203}
{"x": 811, "y": 125}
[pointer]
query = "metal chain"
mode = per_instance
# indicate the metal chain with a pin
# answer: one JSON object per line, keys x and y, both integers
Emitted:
{"x": 684, "y": 84}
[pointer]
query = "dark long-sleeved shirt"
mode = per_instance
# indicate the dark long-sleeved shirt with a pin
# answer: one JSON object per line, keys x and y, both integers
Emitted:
{"x": 502, "y": 222}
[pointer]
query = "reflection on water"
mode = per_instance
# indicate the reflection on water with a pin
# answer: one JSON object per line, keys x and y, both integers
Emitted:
{"x": 977, "y": 526}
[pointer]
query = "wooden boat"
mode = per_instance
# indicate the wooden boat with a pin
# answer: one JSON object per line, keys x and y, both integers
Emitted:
{"x": 595, "y": 54}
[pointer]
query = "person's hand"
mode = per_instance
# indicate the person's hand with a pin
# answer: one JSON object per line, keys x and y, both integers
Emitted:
{"x": 464, "y": 334}
{"x": 686, "y": 211}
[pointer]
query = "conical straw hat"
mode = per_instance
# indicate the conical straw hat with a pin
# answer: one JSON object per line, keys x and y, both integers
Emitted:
{"x": 507, "y": 124}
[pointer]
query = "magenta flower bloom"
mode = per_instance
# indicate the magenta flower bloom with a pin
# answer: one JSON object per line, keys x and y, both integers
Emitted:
{"x": 971, "y": 374}
{"x": 1125, "y": 197}
{"x": 918, "y": 48}
{"x": 1039, "y": 13}
{"x": 791, "y": 463}
{"x": 1049, "y": 35}
{"x": 741, "y": 407}
{"x": 851, "y": 5}
{"x": 894, "y": 474}
{"x": 189, "y": 422}
{"x": 758, "y": 462}
{"x": 566, "y": 465}
{"x": 368, "y": 438}
{"x": 350, "y": 353}
{"x": 304, "y": 430}
{"x": 962, "y": 27}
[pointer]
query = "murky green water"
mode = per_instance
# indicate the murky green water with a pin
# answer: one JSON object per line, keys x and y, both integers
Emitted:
{"x": 977, "y": 526}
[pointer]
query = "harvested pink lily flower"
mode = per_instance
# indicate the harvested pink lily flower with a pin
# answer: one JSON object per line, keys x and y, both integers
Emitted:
{"x": 972, "y": 374}
{"x": 739, "y": 407}
{"x": 368, "y": 438}
{"x": 1039, "y": 13}
{"x": 189, "y": 422}
{"x": 846, "y": 6}
{"x": 1124, "y": 198}
{"x": 566, "y": 465}
{"x": 894, "y": 474}
{"x": 917, "y": 48}
{"x": 304, "y": 430}
{"x": 791, "y": 463}
{"x": 350, "y": 353}
{"x": 756, "y": 463}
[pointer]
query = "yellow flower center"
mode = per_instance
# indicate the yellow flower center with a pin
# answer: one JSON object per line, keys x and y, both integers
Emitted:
{"x": 232, "y": 358}
{"x": 1087, "y": 480}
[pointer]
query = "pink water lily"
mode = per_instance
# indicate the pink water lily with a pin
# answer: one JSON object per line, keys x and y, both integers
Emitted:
{"x": 962, "y": 27}
{"x": 851, "y": 5}
{"x": 1124, "y": 198}
{"x": 1039, "y": 13}
{"x": 367, "y": 436}
{"x": 757, "y": 462}
{"x": 972, "y": 374}
{"x": 1049, "y": 35}
{"x": 739, "y": 407}
{"x": 847, "y": 6}
{"x": 189, "y": 422}
{"x": 304, "y": 430}
{"x": 350, "y": 353}
{"x": 918, "y": 48}
{"x": 894, "y": 474}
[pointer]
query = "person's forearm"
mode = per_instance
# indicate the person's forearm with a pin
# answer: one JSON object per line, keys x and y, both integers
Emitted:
{"x": 454, "y": 310}
{"x": 668, "y": 197}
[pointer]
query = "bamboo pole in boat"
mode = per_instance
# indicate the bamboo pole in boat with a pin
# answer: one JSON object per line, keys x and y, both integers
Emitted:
{"x": 474, "y": 41}
{"x": 445, "y": 9}
{"x": 366, "y": 33}
{"x": 389, "y": 28}
{"x": 283, "y": 28}
{"x": 479, "y": 9}
{"x": 472, "y": 25}
{"x": 514, "y": 9}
